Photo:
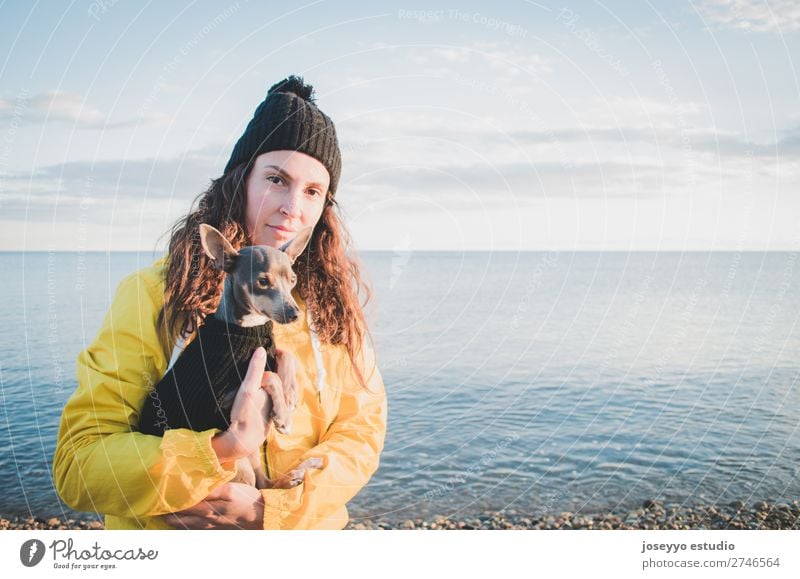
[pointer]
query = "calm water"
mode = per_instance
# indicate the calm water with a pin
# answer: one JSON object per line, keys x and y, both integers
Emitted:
{"x": 534, "y": 381}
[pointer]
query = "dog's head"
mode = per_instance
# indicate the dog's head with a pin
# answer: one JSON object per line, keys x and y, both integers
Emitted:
{"x": 259, "y": 278}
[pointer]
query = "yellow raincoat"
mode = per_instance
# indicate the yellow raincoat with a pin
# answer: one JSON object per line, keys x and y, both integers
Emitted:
{"x": 102, "y": 464}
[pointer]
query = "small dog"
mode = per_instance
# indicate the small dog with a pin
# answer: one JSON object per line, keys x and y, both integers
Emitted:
{"x": 199, "y": 390}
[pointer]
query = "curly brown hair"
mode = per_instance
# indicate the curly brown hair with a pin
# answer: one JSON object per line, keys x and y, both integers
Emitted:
{"x": 328, "y": 279}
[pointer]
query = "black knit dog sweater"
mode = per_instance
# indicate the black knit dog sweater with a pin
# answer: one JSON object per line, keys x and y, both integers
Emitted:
{"x": 192, "y": 394}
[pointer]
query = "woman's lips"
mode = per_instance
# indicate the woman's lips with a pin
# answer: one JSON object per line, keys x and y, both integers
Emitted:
{"x": 280, "y": 230}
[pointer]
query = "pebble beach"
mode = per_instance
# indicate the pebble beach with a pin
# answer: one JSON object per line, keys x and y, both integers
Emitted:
{"x": 651, "y": 515}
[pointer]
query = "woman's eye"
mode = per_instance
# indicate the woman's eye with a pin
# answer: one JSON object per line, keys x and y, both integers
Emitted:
{"x": 294, "y": 279}
{"x": 314, "y": 192}
{"x": 274, "y": 179}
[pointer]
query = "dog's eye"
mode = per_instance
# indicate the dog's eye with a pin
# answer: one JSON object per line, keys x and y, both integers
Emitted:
{"x": 262, "y": 283}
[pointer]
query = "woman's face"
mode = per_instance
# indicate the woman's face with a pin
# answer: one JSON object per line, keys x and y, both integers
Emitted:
{"x": 285, "y": 193}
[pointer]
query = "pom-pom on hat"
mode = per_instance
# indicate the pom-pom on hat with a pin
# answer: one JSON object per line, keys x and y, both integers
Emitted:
{"x": 288, "y": 119}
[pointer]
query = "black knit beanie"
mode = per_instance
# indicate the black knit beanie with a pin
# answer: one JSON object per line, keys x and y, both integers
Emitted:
{"x": 289, "y": 120}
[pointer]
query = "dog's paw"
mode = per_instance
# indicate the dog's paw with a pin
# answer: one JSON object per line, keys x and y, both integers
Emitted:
{"x": 282, "y": 418}
{"x": 279, "y": 414}
{"x": 290, "y": 392}
{"x": 282, "y": 426}
{"x": 297, "y": 475}
{"x": 299, "y": 472}
{"x": 287, "y": 370}
{"x": 308, "y": 463}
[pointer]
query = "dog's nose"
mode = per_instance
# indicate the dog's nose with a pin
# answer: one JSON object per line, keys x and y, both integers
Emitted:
{"x": 292, "y": 316}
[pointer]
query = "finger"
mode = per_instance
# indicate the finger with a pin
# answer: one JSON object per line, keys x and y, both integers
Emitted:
{"x": 271, "y": 381}
{"x": 199, "y": 510}
{"x": 252, "y": 380}
{"x": 178, "y": 521}
{"x": 283, "y": 359}
{"x": 221, "y": 493}
{"x": 188, "y": 521}
{"x": 173, "y": 521}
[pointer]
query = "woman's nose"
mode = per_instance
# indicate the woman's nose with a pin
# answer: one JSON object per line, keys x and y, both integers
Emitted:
{"x": 291, "y": 203}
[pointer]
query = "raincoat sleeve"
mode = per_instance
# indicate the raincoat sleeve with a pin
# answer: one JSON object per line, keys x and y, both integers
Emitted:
{"x": 350, "y": 451}
{"x": 100, "y": 463}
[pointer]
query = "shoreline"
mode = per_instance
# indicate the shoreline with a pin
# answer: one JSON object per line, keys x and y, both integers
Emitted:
{"x": 652, "y": 515}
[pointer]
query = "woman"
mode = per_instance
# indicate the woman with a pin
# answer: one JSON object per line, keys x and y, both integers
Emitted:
{"x": 281, "y": 177}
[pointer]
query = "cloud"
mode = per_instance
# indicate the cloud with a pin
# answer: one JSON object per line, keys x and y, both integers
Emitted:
{"x": 115, "y": 204}
{"x": 754, "y": 15}
{"x": 99, "y": 185}
{"x": 735, "y": 145}
{"x": 503, "y": 60}
{"x": 424, "y": 154}
{"x": 473, "y": 185}
{"x": 648, "y": 130}
{"x": 509, "y": 109}
{"x": 499, "y": 56}
{"x": 725, "y": 144}
{"x": 63, "y": 106}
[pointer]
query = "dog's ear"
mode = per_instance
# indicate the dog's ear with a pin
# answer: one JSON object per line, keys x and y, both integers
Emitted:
{"x": 295, "y": 247}
{"x": 218, "y": 248}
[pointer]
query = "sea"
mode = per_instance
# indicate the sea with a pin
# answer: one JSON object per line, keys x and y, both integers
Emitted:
{"x": 518, "y": 382}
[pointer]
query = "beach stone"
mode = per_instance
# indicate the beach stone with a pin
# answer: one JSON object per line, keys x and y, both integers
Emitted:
{"x": 732, "y": 516}
{"x": 652, "y": 504}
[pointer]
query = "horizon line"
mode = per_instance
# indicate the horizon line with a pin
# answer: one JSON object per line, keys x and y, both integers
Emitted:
{"x": 101, "y": 251}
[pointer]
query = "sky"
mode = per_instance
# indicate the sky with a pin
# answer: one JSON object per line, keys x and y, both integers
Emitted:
{"x": 464, "y": 126}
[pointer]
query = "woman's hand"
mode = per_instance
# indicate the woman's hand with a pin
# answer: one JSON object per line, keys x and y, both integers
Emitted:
{"x": 231, "y": 506}
{"x": 250, "y": 415}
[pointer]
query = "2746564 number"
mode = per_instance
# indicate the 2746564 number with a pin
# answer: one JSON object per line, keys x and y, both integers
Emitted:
{"x": 756, "y": 562}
